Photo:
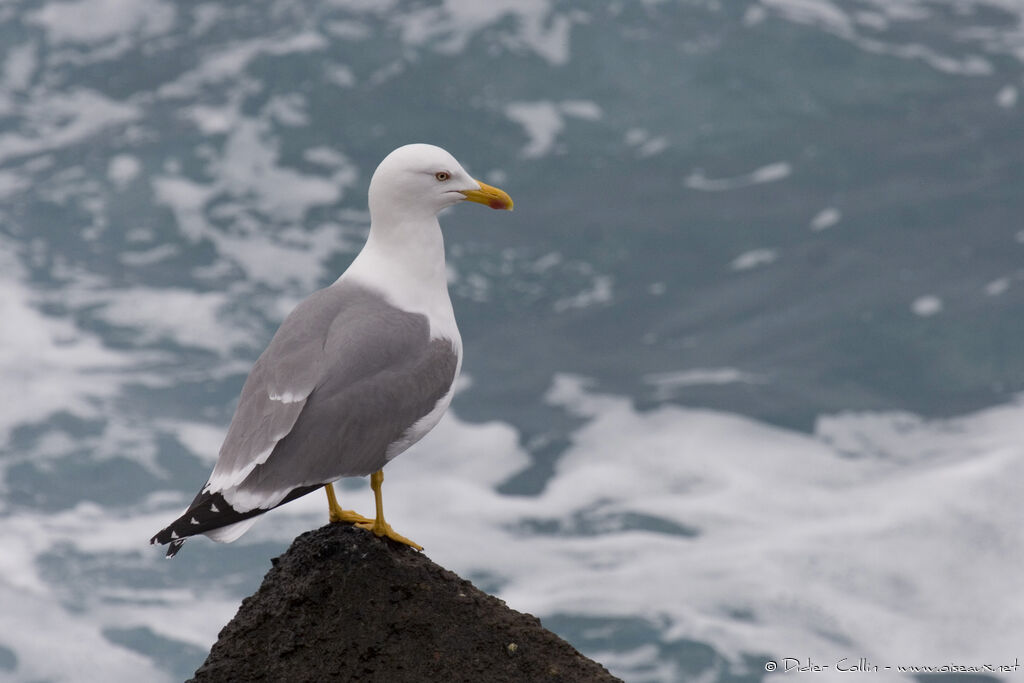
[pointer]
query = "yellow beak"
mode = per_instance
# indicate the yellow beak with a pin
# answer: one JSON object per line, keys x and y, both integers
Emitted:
{"x": 489, "y": 196}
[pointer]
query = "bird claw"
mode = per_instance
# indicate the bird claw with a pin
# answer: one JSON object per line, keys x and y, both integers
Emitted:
{"x": 348, "y": 516}
{"x": 383, "y": 529}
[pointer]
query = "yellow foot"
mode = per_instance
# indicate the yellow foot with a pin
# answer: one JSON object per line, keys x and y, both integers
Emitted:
{"x": 336, "y": 514}
{"x": 384, "y": 529}
{"x": 349, "y": 516}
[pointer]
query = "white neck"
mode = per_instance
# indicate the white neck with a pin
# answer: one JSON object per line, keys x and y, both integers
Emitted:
{"x": 405, "y": 262}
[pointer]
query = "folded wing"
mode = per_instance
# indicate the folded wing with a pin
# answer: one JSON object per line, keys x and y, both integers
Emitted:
{"x": 345, "y": 377}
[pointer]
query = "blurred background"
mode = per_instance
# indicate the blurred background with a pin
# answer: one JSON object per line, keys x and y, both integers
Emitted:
{"x": 743, "y": 368}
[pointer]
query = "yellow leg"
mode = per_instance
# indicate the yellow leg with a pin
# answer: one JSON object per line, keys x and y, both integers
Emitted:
{"x": 379, "y": 526}
{"x": 336, "y": 514}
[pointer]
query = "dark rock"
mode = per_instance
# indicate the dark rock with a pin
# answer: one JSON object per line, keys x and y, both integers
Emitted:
{"x": 343, "y": 605}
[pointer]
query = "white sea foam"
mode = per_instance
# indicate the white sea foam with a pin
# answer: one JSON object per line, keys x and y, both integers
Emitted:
{"x": 122, "y": 169}
{"x": 230, "y": 62}
{"x": 997, "y": 286}
{"x": 98, "y": 21}
{"x": 818, "y": 546}
{"x": 59, "y": 119}
{"x": 840, "y": 543}
{"x": 754, "y": 258}
{"x": 850, "y": 22}
{"x": 149, "y": 256}
{"x": 19, "y": 66}
{"x": 819, "y": 12}
{"x": 667, "y": 384}
{"x": 645, "y": 144}
{"x": 926, "y": 306}
{"x": 76, "y": 616}
{"x": 826, "y": 218}
{"x": 1007, "y": 97}
{"x": 73, "y": 644}
{"x": 447, "y": 28}
{"x": 249, "y": 185}
{"x": 765, "y": 174}
{"x": 249, "y": 168}
{"x": 843, "y": 543}
{"x": 47, "y": 363}
{"x": 184, "y": 317}
{"x": 599, "y": 292}
{"x": 543, "y": 121}
{"x": 12, "y": 183}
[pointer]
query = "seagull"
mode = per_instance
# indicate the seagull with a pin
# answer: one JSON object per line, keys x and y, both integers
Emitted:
{"x": 357, "y": 373}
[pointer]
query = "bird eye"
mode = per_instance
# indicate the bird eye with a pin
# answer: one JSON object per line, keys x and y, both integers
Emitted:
{"x": 442, "y": 176}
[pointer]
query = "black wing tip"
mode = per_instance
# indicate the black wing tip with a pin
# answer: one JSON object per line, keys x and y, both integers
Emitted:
{"x": 166, "y": 537}
{"x": 209, "y": 511}
{"x": 174, "y": 534}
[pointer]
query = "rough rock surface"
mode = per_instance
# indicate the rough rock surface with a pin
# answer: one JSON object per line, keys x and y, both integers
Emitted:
{"x": 343, "y": 605}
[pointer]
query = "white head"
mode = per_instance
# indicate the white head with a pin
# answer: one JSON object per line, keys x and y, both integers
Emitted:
{"x": 417, "y": 181}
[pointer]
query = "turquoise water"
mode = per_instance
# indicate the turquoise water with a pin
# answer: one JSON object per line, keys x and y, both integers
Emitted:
{"x": 743, "y": 371}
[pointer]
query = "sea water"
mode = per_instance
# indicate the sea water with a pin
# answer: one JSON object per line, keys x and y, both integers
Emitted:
{"x": 742, "y": 389}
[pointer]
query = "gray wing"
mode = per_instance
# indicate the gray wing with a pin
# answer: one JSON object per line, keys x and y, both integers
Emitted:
{"x": 345, "y": 376}
{"x": 276, "y": 389}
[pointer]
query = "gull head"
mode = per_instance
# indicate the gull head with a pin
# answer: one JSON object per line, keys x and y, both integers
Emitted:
{"x": 417, "y": 181}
